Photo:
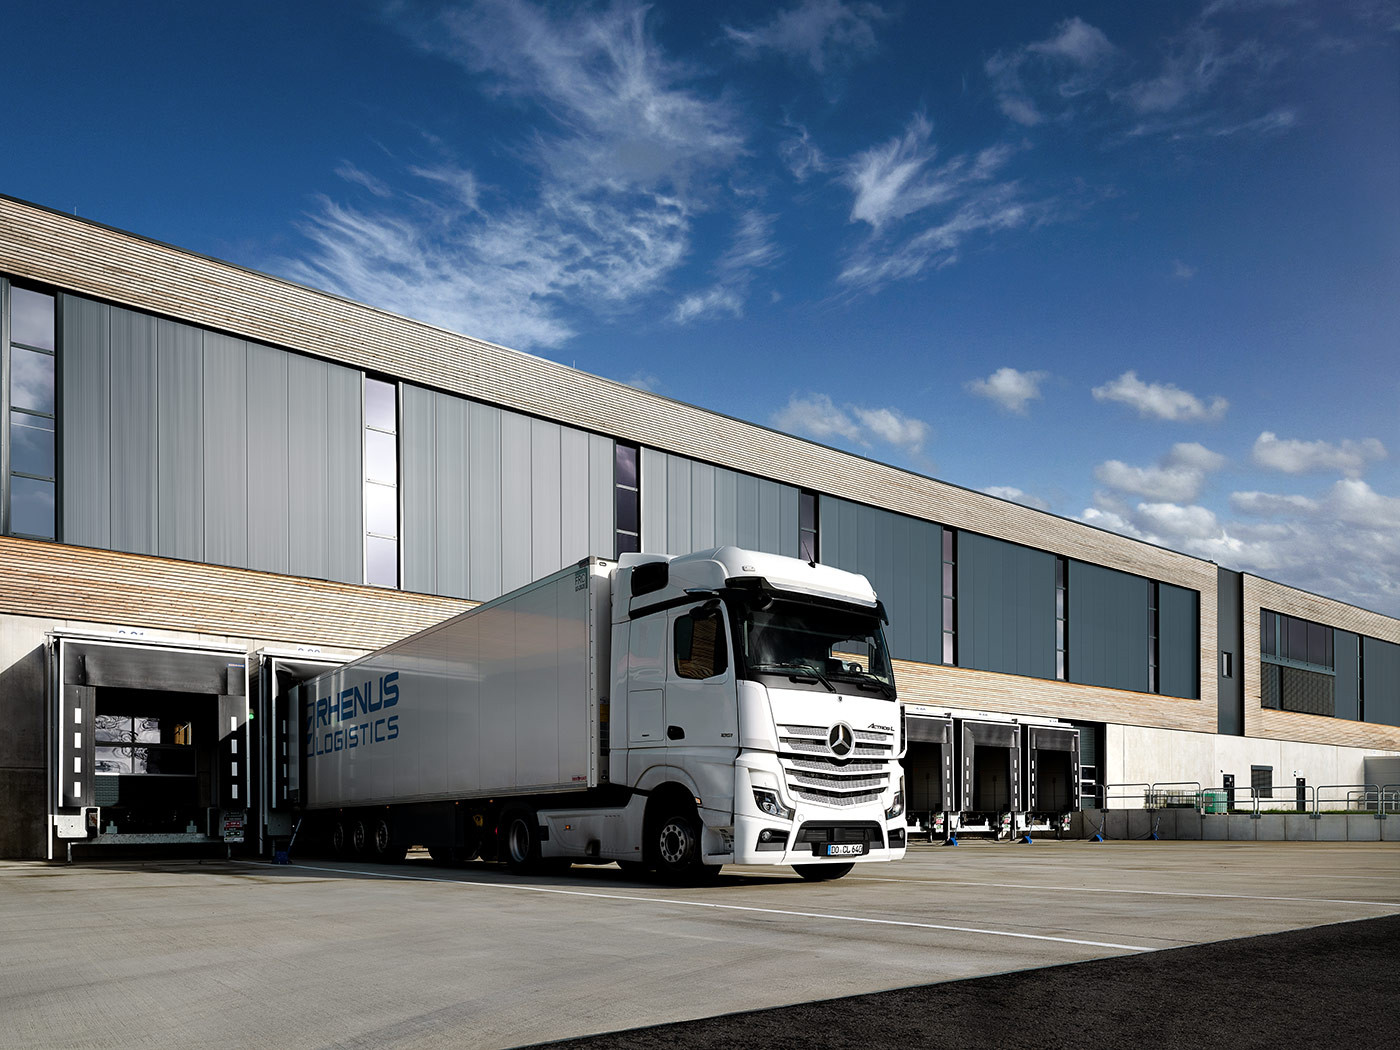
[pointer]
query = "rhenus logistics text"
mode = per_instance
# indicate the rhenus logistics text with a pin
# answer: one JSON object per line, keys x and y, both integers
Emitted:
{"x": 353, "y": 717}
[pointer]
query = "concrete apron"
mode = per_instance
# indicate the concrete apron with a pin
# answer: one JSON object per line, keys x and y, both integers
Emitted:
{"x": 1234, "y": 827}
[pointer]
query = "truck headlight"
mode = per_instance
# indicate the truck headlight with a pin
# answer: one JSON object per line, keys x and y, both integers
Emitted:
{"x": 897, "y": 806}
{"x": 768, "y": 802}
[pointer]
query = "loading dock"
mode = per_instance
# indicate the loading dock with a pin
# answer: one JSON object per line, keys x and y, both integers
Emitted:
{"x": 1052, "y": 781}
{"x": 150, "y": 741}
{"x": 928, "y": 773}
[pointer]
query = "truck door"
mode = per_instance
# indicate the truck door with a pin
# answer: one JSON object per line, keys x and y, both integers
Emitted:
{"x": 702, "y": 714}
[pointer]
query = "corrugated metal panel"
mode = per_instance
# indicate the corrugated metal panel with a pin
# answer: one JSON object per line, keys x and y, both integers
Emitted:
{"x": 679, "y": 526}
{"x": 225, "y": 450}
{"x": 1108, "y": 637}
{"x": 789, "y": 540}
{"x": 746, "y": 510}
{"x": 702, "y": 506}
{"x": 1346, "y": 652}
{"x": 726, "y": 507}
{"x": 268, "y": 458}
{"x": 546, "y": 500}
{"x": 133, "y": 448}
{"x": 602, "y": 538}
{"x": 417, "y": 489}
{"x": 484, "y": 494}
{"x": 87, "y": 422}
{"x": 1005, "y": 607}
{"x": 1380, "y": 683}
{"x": 652, "y": 470}
{"x": 1178, "y": 642}
{"x": 453, "y": 511}
{"x": 308, "y": 450}
{"x": 515, "y": 501}
{"x": 1229, "y": 691}
{"x": 180, "y": 440}
{"x": 574, "y": 518}
{"x": 345, "y": 528}
{"x": 769, "y": 538}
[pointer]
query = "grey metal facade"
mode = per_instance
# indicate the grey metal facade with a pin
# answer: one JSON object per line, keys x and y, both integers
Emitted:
{"x": 492, "y": 499}
{"x": 1229, "y": 618}
{"x": 1346, "y": 654}
{"x": 688, "y": 505}
{"x": 1178, "y": 641}
{"x": 1108, "y": 637}
{"x": 187, "y": 443}
{"x": 902, "y": 558}
{"x": 1380, "y": 668}
{"x": 1005, "y": 607}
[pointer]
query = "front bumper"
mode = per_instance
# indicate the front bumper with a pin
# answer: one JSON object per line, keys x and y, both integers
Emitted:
{"x": 816, "y": 838}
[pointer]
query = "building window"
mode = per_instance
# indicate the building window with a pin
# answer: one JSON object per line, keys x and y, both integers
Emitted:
{"x": 1298, "y": 671}
{"x": 1227, "y": 664}
{"x": 807, "y": 526}
{"x": 1154, "y": 671}
{"x": 29, "y": 402}
{"x": 1261, "y": 779}
{"x": 627, "y": 494}
{"x": 381, "y": 483}
{"x": 950, "y": 598}
{"x": 1062, "y": 619}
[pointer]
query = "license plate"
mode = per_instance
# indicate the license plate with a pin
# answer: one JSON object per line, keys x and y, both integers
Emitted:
{"x": 844, "y": 849}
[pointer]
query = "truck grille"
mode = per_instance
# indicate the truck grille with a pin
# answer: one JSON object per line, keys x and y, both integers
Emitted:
{"x": 815, "y": 774}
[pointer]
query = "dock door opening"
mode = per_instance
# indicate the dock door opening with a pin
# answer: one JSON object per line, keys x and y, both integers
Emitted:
{"x": 928, "y": 771}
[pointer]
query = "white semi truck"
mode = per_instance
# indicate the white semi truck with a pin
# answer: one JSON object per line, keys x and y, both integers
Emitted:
{"x": 673, "y": 714}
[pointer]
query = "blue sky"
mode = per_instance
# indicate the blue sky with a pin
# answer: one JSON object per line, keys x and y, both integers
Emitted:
{"x": 1135, "y": 264}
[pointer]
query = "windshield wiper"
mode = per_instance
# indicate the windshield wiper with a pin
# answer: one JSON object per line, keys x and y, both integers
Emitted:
{"x": 794, "y": 671}
{"x": 869, "y": 680}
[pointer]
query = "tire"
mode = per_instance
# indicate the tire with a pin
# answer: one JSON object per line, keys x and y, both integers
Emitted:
{"x": 823, "y": 872}
{"x": 674, "y": 842}
{"x": 340, "y": 839}
{"x": 383, "y": 844}
{"x": 520, "y": 842}
{"x": 359, "y": 838}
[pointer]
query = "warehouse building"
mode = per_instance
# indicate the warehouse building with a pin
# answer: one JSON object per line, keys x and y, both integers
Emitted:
{"x": 215, "y": 483}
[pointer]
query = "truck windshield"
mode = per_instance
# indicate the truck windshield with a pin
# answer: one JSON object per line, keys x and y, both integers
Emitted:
{"x": 831, "y": 648}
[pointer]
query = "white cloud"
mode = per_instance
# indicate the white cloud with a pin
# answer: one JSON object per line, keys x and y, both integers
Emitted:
{"x": 1344, "y": 543}
{"x": 644, "y": 381}
{"x": 1160, "y": 400}
{"x": 1050, "y": 72}
{"x": 701, "y": 306}
{"x": 617, "y": 169}
{"x": 1307, "y": 457}
{"x": 1009, "y": 388}
{"x": 1177, "y": 478}
{"x": 818, "y": 417}
{"x": 1015, "y": 495}
{"x": 801, "y": 154}
{"x": 886, "y": 178}
{"x": 818, "y": 32}
{"x": 1181, "y": 271}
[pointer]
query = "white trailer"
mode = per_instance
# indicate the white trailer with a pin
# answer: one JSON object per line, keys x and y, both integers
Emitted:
{"x": 668, "y": 713}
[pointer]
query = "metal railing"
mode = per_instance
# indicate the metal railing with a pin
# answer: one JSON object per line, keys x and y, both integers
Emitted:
{"x": 1378, "y": 800}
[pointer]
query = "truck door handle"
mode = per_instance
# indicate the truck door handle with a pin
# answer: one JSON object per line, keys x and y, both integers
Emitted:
{"x": 675, "y": 733}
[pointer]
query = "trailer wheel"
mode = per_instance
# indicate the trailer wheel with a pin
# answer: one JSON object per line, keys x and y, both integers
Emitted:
{"x": 338, "y": 838}
{"x": 383, "y": 843}
{"x": 521, "y": 832}
{"x": 359, "y": 838}
{"x": 822, "y": 872}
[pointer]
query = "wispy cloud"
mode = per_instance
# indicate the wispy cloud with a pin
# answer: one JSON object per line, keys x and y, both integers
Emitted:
{"x": 1015, "y": 495}
{"x": 818, "y": 417}
{"x": 820, "y": 33}
{"x": 619, "y": 163}
{"x": 1161, "y": 400}
{"x": 753, "y": 248}
{"x": 1012, "y": 390}
{"x": 1307, "y": 457}
{"x": 1177, "y": 478}
{"x": 1181, "y": 271}
{"x": 1062, "y": 67}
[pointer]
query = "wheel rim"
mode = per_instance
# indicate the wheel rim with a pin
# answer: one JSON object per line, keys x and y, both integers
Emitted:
{"x": 381, "y": 836}
{"x": 338, "y": 837}
{"x": 676, "y": 843}
{"x": 357, "y": 836}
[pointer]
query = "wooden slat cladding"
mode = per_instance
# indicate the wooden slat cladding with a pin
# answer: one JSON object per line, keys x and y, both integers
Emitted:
{"x": 93, "y": 260}
{"x": 1262, "y": 594}
{"x": 1010, "y": 694}
{"x": 57, "y": 581}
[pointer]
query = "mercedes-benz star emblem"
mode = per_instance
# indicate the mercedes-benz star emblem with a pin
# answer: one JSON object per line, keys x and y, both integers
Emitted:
{"x": 841, "y": 740}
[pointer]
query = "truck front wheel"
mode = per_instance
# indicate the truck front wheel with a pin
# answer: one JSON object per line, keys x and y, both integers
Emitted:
{"x": 675, "y": 847}
{"x": 822, "y": 872}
